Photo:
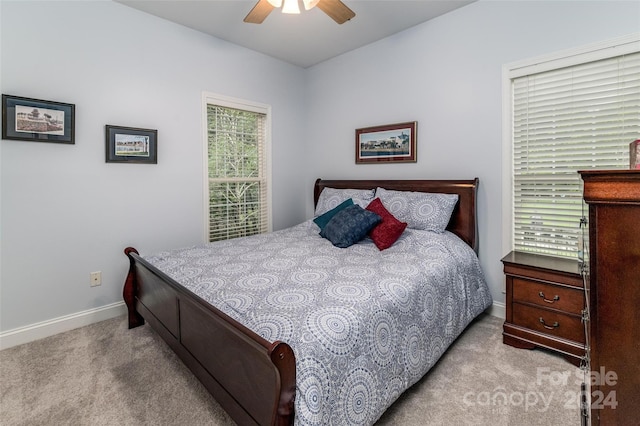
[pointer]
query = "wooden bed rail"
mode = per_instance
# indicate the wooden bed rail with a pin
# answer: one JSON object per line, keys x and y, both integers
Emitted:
{"x": 252, "y": 379}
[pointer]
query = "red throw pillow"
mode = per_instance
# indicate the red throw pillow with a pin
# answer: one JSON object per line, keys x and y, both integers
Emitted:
{"x": 388, "y": 230}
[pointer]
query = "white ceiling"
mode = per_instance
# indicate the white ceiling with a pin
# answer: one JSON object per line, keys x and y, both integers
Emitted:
{"x": 305, "y": 39}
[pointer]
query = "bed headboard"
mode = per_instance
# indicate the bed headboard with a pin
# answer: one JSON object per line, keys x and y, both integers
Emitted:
{"x": 463, "y": 221}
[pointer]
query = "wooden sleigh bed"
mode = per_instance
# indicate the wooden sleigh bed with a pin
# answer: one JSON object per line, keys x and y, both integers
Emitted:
{"x": 253, "y": 379}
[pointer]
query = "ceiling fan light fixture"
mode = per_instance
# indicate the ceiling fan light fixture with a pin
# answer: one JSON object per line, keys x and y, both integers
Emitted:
{"x": 335, "y": 9}
{"x": 310, "y": 4}
{"x": 290, "y": 6}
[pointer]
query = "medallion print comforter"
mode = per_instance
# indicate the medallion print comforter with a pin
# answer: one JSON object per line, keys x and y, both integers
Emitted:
{"x": 364, "y": 324}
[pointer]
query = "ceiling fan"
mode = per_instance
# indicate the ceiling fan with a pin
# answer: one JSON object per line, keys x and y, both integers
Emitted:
{"x": 337, "y": 10}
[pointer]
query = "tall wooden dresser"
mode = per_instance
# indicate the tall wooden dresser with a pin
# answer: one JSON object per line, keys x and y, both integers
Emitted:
{"x": 614, "y": 295}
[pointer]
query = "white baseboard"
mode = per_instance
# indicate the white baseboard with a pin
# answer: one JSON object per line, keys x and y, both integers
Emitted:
{"x": 498, "y": 309}
{"x": 43, "y": 329}
{"x": 48, "y": 328}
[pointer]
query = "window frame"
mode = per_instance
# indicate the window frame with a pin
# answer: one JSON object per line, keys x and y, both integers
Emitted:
{"x": 566, "y": 58}
{"x": 209, "y": 98}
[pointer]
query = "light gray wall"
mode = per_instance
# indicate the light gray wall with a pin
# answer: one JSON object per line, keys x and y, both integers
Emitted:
{"x": 446, "y": 74}
{"x": 64, "y": 211}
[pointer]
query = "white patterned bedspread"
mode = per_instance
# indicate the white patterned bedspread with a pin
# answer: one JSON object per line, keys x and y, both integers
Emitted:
{"x": 364, "y": 324}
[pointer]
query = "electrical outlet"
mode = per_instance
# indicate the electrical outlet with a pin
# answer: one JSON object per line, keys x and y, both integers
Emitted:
{"x": 95, "y": 278}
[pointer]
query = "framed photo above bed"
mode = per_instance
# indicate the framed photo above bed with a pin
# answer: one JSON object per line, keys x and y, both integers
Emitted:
{"x": 131, "y": 145}
{"x": 391, "y": 143}
{"x": 26, "y": 119}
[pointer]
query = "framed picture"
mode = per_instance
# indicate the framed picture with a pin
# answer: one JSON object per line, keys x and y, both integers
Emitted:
{"x": 390, "y": 143}
{"x": 26, "y": 119}
{"x": 634, "y": 155}
{"x": 131, "y": 145}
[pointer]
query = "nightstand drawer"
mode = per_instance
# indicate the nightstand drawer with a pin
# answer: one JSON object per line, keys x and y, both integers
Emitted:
{"x": 549, "y": 322}
{"x": 548, "y": 295}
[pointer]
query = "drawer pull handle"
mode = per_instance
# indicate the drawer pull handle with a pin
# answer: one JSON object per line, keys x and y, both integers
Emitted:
{"x": 549, "y": 327}
{"x": 555, "y": 298}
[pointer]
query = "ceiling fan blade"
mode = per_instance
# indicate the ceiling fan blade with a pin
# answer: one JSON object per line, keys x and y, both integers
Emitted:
{"x": 259, "y": 12}
{"x": 337, "y": 10}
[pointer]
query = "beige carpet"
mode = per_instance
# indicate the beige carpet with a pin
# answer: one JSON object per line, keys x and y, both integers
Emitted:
{"x": 105, "y": 374}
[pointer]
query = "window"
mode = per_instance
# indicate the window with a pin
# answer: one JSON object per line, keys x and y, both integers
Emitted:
{"x": 574, "y": 112}
{"x": 237, "y": 187}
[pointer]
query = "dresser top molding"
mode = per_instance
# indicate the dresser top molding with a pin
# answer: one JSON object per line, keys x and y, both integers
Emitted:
{"x": 611, "y": 186}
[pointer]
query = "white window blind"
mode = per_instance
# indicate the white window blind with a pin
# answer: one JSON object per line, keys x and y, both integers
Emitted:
{"x": 237, "y": 172}
{"x": 574, "y": 118}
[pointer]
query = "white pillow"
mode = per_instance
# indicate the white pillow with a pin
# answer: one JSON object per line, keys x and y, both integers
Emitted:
{"x": 332, "y": 197}
{"x": 421, "y": 210}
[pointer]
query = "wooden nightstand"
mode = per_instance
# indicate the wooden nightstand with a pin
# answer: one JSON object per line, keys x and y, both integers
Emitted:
{"x": 545, "y": 299}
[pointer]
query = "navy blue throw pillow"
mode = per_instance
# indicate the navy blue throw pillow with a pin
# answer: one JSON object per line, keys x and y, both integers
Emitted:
{"x": 349, "y": 226}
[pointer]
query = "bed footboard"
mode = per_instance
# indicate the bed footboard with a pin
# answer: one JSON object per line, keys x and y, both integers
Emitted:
{"x": 251, "y": 378}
